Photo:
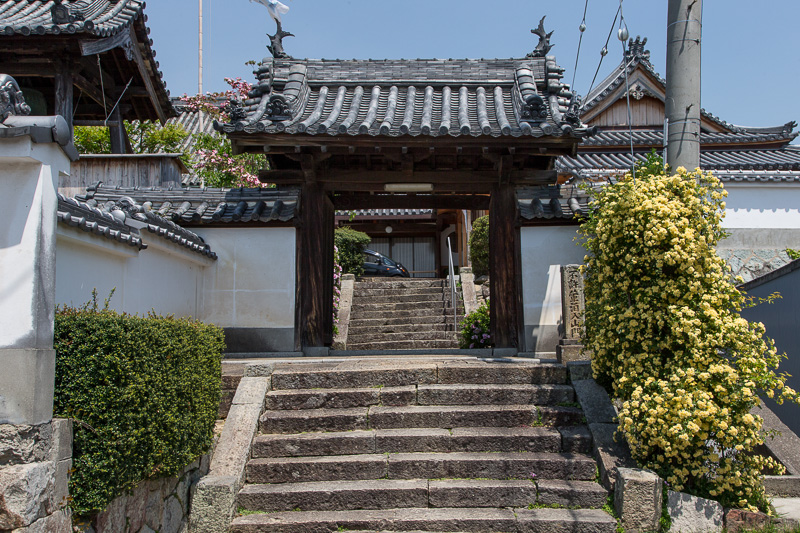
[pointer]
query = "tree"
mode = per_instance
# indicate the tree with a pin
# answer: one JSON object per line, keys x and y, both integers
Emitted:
{"x": 350, "y": 244}
{"x": 479, "y": 246}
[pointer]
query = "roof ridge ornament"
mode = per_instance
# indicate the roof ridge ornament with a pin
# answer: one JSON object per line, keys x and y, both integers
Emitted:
{"x": 544, "y": 45}
{"x": 276, "y": 46}
{"x": 636, "y": 49}
{"x": 61, "y": 14}
{"x": 12, "y": 101}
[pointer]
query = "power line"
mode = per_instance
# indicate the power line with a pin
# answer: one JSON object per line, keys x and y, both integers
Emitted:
{"x": 604, "y": 51}
{"x": 582, "y": 29}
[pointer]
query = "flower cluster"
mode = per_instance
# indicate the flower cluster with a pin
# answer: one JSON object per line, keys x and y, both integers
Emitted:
{"x": 337, "y": 286}
{"x": 475, "y": 332}
{"x": 213, "y": 104}
{"x": 663, "y": 323}
{"x": 216, "y": 161}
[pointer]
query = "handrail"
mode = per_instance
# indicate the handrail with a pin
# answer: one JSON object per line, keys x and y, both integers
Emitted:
{"x": 451, "y": 278}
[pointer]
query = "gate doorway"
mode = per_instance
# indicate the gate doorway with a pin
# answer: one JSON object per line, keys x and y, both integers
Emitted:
{"x": 417, "y": 254}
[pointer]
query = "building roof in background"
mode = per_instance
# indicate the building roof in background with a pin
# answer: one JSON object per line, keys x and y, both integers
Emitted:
{"x": 427, "y": 97}
{"x": 552, "y": 203}
{"x": 203, "y": 206}
{"x": 81, "y": 29}
{"x": 387, "y": 213}
{"x": 122, "y": 221}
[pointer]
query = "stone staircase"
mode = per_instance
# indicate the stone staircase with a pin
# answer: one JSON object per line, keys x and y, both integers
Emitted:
{"x": 452, "y": 445}
{"x": 404, "y": 314}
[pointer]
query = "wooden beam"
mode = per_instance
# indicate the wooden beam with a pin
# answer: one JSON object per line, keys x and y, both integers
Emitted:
{"x": 397, "y": 201}
{"x": 380, "y": 177}
{"x": 98, "y": 46}
{"x": 505, "y": 272}
{"x": 63, "y": 94}
{"x": 315, "y": 257}
{"x": 119, "y": 134}
{"x": 91, "y": 89}
{"x": 148, "y": 83}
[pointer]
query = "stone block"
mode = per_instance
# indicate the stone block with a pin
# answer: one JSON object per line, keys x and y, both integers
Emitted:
{"x": 259, "y": 370}
{"x": 58, "y": 522}
{"x": 782, "y": 486}
{"x": 61, "y": 483}
{"x": 113, "y": 518}
{"x": 213, "y": 504}
{"x": 26, "y": 494}
{"x": 482, "y": 493}
{"x": 571, "y": 493}
{"x": 579, "y": 370}
{"x": 595, "y": 402}
{"x": 576, "y": 439}
{"x": 251, "y": 391}
{"x": 690, "y": 514}
{"x": 568, "y": 353}
{"x": 784, "y": 445}
{"x": 609, "y": 454}
{"x": 173, "y": 517}
{"x": 62, "y": 439}
{"x": 565, "y": 521}
{"x": 233, "y": 447}
{"x": 412, "y": 440}
{"x": 399, "y": 395}
{"x": 738, "y": 519}
{"x": 638, "y": 497}
{"x": 22, "y": 444}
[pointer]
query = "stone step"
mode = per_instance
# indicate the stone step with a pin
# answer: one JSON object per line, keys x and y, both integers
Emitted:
{"x": 494, "y": 394}
{"x": 432, "y": 293}
{"x": 400, "y": 374}
{"x": 420, "y": 520}
{"x": 404, "y": 327}
{"x": 356, "y": 337}
{"x": 420, "y": 440}
{"x": 472, "y": 394}
{"x": 383, "y": 312}
{"x": 380, "y": 322}
{"x": 404, "y": 345}
{"x": 376, "y": 283}
{"x": 398, "y": 493}
{"x": 398, "y": 305}
{"x": 417, "y": 416}
{"x": 452, "y": 465}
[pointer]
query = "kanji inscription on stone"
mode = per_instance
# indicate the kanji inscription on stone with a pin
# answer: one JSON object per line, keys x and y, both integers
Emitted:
{"x": 572, "y": 301}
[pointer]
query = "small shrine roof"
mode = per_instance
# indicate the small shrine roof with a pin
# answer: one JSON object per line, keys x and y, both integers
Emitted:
{"x": 96, "y": 17}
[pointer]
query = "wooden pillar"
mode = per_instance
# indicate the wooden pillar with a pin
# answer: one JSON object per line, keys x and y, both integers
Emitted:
{"x": 505, "y": 272}
{"x": 63, "y": 93}
{"x": 118, "y": 134}
{"x": 315, "y": 268}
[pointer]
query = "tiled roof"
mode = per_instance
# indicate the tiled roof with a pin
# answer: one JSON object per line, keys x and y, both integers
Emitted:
{"x": 205, "y": 206}
{"x": 549, "y": 203}
{"x": 91, "y": 219}
{"x": 656, "y": 137}
{"x": 96, "y": 17}
{"x": 386, "y": 213}
{"x": 429, "y": 97}
{"x": 122, "y": 221}
{"x": 780, "y": 165}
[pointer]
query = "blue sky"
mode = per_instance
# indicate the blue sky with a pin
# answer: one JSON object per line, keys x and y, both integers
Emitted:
{"x": 751, "y": 61}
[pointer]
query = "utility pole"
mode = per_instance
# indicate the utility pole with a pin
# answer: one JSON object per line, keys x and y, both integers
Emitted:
{"x": 200, "y": 67}
{"x": 684, "y": 34}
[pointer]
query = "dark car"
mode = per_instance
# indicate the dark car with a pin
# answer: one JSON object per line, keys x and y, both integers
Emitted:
{"x": 377, "y": 264}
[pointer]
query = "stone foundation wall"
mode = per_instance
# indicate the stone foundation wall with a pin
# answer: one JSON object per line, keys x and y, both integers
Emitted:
{"x": 156, "y": 505}
{"x": 34, "y": 478}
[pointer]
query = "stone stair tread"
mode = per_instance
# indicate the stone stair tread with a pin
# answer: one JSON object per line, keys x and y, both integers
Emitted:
{"x": 430, "y": 519}
{"x": 409, "y": 345}
{"x": 340, "y": 398}
{"x": 450, "y": 416}
{"x": 392, "y": 375}
{"x": 494, "y": 393}
{"x": 408, "y": 440}
{"x": 500, "y": 465}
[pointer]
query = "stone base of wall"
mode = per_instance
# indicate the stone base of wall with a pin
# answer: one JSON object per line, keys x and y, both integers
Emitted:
{"x": 160, "y": 505}
{"x": 34, "y": 478}
{"x": 751, "y": 264}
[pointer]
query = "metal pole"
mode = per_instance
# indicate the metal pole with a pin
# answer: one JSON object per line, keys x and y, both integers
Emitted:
{"x": 684, "y": 34}
{"x": 200, "y": 68}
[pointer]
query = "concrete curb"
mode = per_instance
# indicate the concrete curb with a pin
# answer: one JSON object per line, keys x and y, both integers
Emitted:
{"x": 214, "y": 497}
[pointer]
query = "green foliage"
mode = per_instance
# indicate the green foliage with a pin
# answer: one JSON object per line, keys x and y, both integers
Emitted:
{"x": 793, "y": 254}
{"x": 144, "y": 392}
{"x": 475, "y": 329}
{"x": 150, "y": 138}
{"x": 92, "y": 140}
{"x": 662, "y": 319}
{"x": 350, "y": 244}
{"x": 146, "y": 138}
{"x": 479, "y": 246}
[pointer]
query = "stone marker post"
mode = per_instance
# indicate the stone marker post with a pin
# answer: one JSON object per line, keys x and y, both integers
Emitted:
{"x": 572, "y": 311}
{"x": 36, "y": 451}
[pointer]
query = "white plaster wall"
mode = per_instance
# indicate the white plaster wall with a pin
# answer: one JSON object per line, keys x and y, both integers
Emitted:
{"x": 544, "y": 250}
{"x": 161, "y": 277}
{"x": 252, "y": 284}
{"x": 762, "y": 206}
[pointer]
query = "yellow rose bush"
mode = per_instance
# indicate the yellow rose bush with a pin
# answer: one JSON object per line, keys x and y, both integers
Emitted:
{"x": 663, "y": 323}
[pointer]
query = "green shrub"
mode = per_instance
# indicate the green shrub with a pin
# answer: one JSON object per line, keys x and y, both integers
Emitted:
{"x": 793, "y": 254}
{"x": 475, "y": 329}
{"x": 351, "y": 244}
{"x": 663, "y": 322}
{"x": 479, "y": 246}
{"x": 144, "y": 393}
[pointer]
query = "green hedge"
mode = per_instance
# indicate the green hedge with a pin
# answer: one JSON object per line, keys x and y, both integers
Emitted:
{"x": 475, "y": 329}
{"x": 479, "y": 246}
{"x": 350, "y": 244}
{"x": 144, "y": 393}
